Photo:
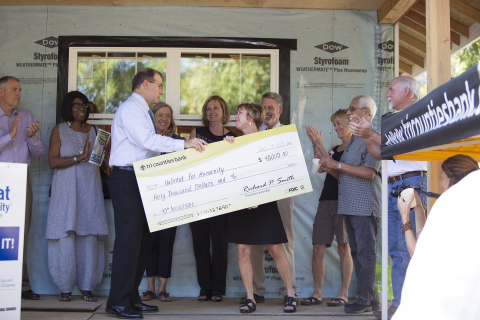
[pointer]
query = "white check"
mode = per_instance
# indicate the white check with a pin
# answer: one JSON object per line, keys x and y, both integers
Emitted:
{"x": 187, "y": 186}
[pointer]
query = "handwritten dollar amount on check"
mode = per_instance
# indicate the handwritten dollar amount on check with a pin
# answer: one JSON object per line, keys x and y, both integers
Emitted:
{"x": 186, "y": 183}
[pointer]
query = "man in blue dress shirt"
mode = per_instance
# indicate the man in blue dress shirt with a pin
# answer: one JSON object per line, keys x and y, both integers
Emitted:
{"x": 134, "y": 138}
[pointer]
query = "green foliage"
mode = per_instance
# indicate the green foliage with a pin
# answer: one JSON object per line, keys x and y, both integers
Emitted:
{"x": 459, "y": 62}
{"x": 236, "y": 79}
{"x": 201, "y": 78}
{"x": 470, "y": 55}
{"x": 91, "y": 80}
{"x": 119, "y": 82}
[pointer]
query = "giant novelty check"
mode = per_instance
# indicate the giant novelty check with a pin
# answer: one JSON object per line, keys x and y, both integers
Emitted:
{"x": 187, "y": 186}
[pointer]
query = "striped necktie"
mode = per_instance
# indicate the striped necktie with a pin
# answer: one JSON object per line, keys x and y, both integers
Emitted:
{"x": 153, "y": 121}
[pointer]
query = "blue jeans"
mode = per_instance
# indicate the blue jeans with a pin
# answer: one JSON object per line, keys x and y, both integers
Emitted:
{"x": 362, "y": 233}
{"x": 397, "y": 247}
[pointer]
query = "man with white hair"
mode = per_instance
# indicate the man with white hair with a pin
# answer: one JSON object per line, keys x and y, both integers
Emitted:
{"x": 359, "y": 200}
{"x": 403, "y": 92}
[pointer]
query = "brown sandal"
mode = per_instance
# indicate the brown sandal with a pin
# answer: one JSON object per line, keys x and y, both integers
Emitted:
{"x": 163, "y": 296}
{"x": 147, "y": 296}
{"x": 88, "y": 296}
{"x": 65, "y": 297}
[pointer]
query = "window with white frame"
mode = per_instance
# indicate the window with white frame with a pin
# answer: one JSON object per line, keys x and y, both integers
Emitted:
{"x": 191, "y": 75}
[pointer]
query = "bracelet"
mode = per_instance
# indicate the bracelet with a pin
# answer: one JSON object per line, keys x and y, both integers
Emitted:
{"x": 407, "y": 226}
{"x": 75, "y": 160}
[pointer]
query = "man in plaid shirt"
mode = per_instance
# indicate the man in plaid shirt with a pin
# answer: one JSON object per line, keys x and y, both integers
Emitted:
{"x": 359, "y": 199}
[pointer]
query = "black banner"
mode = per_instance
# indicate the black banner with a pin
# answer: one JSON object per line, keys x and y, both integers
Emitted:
{"x": 449, "y": 113}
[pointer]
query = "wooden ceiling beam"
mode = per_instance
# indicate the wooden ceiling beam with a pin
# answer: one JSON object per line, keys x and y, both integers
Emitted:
{"x": 404, "y": 67}
{"x": 466, "y": 9}
{"x": 274, "y": 4}
{"x": 414, "y": 26}
{"x": 454, "y": 37}
{"x": 413, "y": 58}
{"x": 417, "y": 17}
{"x": 459, "y": 28}
{"x": 417, "y": 44}
{"x": 420, "y": 8}
{"x": 392, "y": 10}
{"x": 455, "y": 26}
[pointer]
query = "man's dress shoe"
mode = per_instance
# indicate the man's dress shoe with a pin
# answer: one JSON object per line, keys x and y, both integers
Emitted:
{"x": 142, "y": 307}
{"x": 124, "y": 312}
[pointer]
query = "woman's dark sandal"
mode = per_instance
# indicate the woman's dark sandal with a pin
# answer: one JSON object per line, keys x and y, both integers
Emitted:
{"x": 88, "y": 296}
{"x": 163, "y": 296}
{"x": 291, "y": 302}
{"x": 65, "y": 297}
{"x": 333, "y": 302}
{"x": 203, "y": 298}
{"x": 311, "y": 301}
{"x": 30, "y": 295}
{"x": 216, "y": 297}
{"x": 251, "y": 306}
{"x": 147, "y": 296}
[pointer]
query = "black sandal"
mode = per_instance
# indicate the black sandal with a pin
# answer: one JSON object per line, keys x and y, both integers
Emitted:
{"x": 289, "y": 303}
{"x": 252, "y": 306}
{"x": 65, "y": 297}
{"x": 216, "y": 297}
{"x": 88, "y": 296}
{"x": 203, "y": 298}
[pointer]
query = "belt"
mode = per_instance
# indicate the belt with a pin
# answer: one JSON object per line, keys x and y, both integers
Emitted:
{"x": 406, "y": 175}
{"x": 129, "y": 168}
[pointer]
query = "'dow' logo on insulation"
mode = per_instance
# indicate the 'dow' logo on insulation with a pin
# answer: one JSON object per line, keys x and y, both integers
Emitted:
{"x": 388, "y": 46}
{"x": 50, "y": 42}
{"x": 331, "y": 47}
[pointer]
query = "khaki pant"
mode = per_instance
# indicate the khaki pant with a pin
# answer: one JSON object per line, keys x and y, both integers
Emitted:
{"x": 285, "y": 206}
{"x": 28, "y": 218}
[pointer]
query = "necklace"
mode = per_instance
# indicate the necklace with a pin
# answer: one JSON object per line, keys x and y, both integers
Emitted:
{"x": 214, "y": 133}
{"x": 76, "y": 139}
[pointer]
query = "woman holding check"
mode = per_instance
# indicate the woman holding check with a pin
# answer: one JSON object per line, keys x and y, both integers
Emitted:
{"x": 212, "y": 269}
{"x": 258, "y": 225}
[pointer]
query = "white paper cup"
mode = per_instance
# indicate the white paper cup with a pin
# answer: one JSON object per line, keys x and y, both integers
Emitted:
{"x": 315, "y": 165}
{"x": 406, "y": 193}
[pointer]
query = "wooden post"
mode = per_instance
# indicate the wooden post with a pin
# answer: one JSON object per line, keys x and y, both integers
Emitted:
{"x": 396, "y": 36}
{"x": 438, "y": 67}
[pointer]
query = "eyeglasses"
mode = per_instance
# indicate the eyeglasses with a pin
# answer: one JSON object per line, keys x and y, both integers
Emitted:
{"x": 352, "y": 109}
{"x": 269, "y": 108}
{"x": 77, "y": 106}
{"x": 159, "y": 85}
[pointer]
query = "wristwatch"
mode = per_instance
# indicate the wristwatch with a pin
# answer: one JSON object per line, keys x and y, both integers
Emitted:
{"x": 75, "y": 160}
{"x": 339, "y": 166}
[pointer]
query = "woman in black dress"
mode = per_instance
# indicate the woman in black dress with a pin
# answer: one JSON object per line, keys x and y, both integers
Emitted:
{"x": 160, "y": 248}
{"x": 259, "y": 225}
{"x": 212, "y": 270}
